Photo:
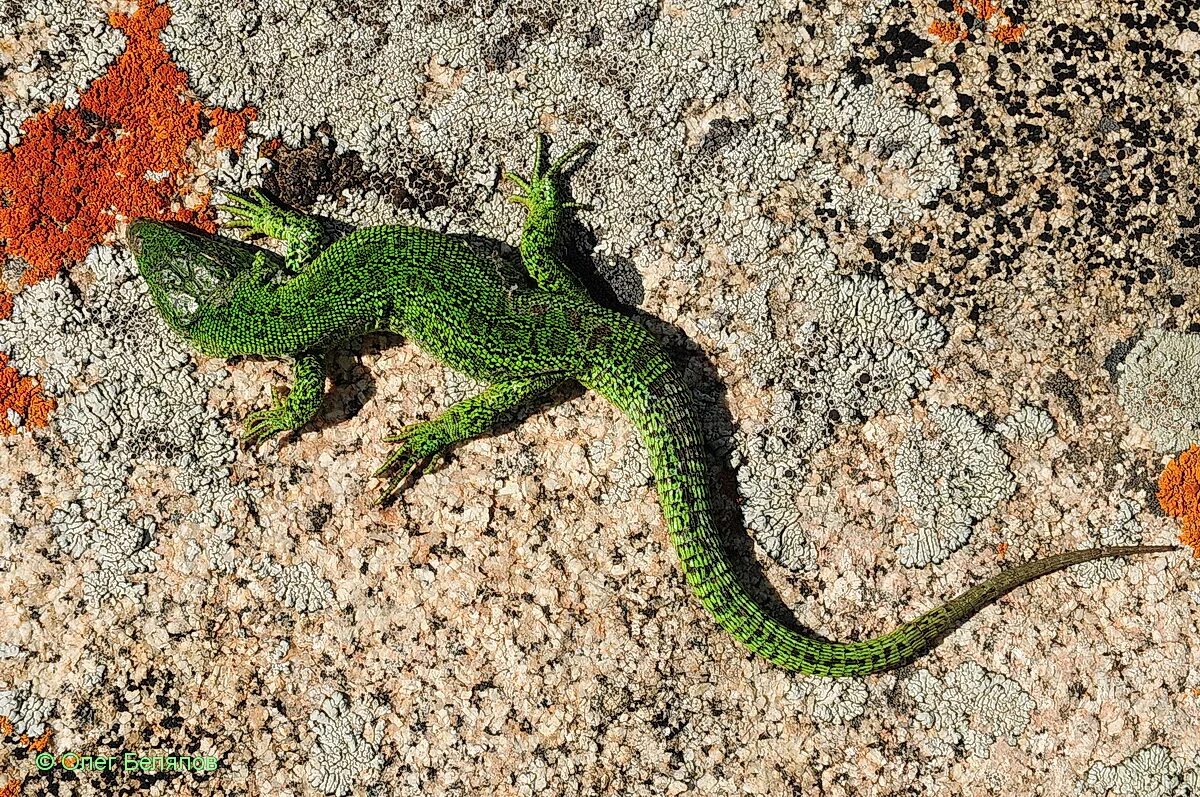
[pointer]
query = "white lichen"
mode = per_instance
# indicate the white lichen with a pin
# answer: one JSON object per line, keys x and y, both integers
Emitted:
{"x": 827, "y": 350}
{"x": 893, "y": 161}
{"x": 341, "y": 757}
{"x": 688, "y": 107}
{"x": 296, "y": 586}
{"x": 27, "y": 711}
{"x": 1124, "y": 530}
{"x": 948, "y": 478}
{"x": 830, "y": 701}
{"x": 1159, "y": 387}
{"x": 1029, "y": 425}
{"x": 1153, "y": 771}
{"x": 46, "y": 334}
{"x": 630, "y": 473}
{"x": 129, "y": 399}
{"x": 770, "y": 481}
{"x": 970, "y": 709}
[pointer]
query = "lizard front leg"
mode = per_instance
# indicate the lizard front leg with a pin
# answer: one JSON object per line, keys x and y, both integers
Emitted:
{"x": 301, "y": 404}
{"x": 423, "y": 446}
{"x": 301, "y": 232}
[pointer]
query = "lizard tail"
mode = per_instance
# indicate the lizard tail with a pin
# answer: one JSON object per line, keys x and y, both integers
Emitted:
{"x": 659, "y": 404}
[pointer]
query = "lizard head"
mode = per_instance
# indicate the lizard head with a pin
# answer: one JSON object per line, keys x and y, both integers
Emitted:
{"x": 190, "y": 273}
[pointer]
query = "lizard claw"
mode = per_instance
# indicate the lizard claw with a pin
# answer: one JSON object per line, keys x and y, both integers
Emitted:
{"x": 422, "y": 450}
{"x": 249, "y": 212}
{"x": 261, "y": 424}
{"x": 563, "y": 160}
{"x": 540, "y": 190}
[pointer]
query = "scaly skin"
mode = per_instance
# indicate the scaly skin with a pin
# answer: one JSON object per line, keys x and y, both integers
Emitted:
{"x": 523, "y": 333}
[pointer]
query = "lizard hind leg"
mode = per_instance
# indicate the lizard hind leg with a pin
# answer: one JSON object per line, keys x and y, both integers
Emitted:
{"x": 540, "y": 191}
{"x": 424, "y": 446}
{"x": 542, "y": 244}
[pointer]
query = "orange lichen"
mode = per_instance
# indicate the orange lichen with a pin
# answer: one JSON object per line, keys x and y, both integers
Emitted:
{"x": 122, "y": 152}
{"x": 986, "y": 11}
{"x": 37, "y": 744}
{"x": 1001, "y": 550}
{"x": 76, "y": 172}
{"x": 948, "y": 31}
{"x": 11, "y": 789}
{"x": 23, "y": 395}
{"x": 1179, "y": 495}
{"x": 1007, "y": 34}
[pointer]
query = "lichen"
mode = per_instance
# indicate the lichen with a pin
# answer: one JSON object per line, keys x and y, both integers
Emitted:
{"x": 630, "y": 473}
{"x": 697, "y": 146}
{"x": 891, "y": 159}
{"x": 23, "y": 399}
{"x": 830, "y": 701}
{"x": 296, "y": 586}
{"x": 1179, "y": 495}
{"x": 77, "y": 171}
{"x": 828, "y": 350}
{"x": 1028, "y": 425}
{"x": 1159, "y": 387}
{"x": 985, "y": 15}
{"x": 26, "y": 712}
{"x": 48, "y": 53}
{"x": 130, "y": 398}
{"x": 970, "y": 709}
{"x": 1153, "y": 771}
{"x": 1124, "y": 530}
{"x": 341, "y": 756}
{"x": 947, "y": 479}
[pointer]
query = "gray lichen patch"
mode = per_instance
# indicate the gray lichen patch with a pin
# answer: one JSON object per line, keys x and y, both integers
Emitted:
{"x": 630, "y": 473}
{"x": 49, "y": 51}
{"x": 948, "y": 477}
{"x": 296, "y": 586}
{"x": 1153, "y": 771}
{"x": 885, "y": 160}
{"x": 44, "y": 335}
{"x": 27, "y": 711}
{"x": 1028, "y": 425}
{"x": 1124, "y": 530}
{"x": 129, "y": 399}
{"x": 969, "y": 709}
{"x": 342, "y": 758}
{"x": 689, "y": 111}
{"x": 827, "y": 350}
{"x": 828, "y": 700}
{"x": 1159, "y": 388}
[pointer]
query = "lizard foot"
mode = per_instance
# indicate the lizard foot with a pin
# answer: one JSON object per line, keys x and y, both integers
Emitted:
{"x": 541, "y": 190}
{"x": 261, "y": 424}
{"x": 251, "y": 212}
{"x": 422, "y": 450}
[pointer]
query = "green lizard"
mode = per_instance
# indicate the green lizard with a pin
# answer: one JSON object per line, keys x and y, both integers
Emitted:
{"x": 522, "y": 331}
